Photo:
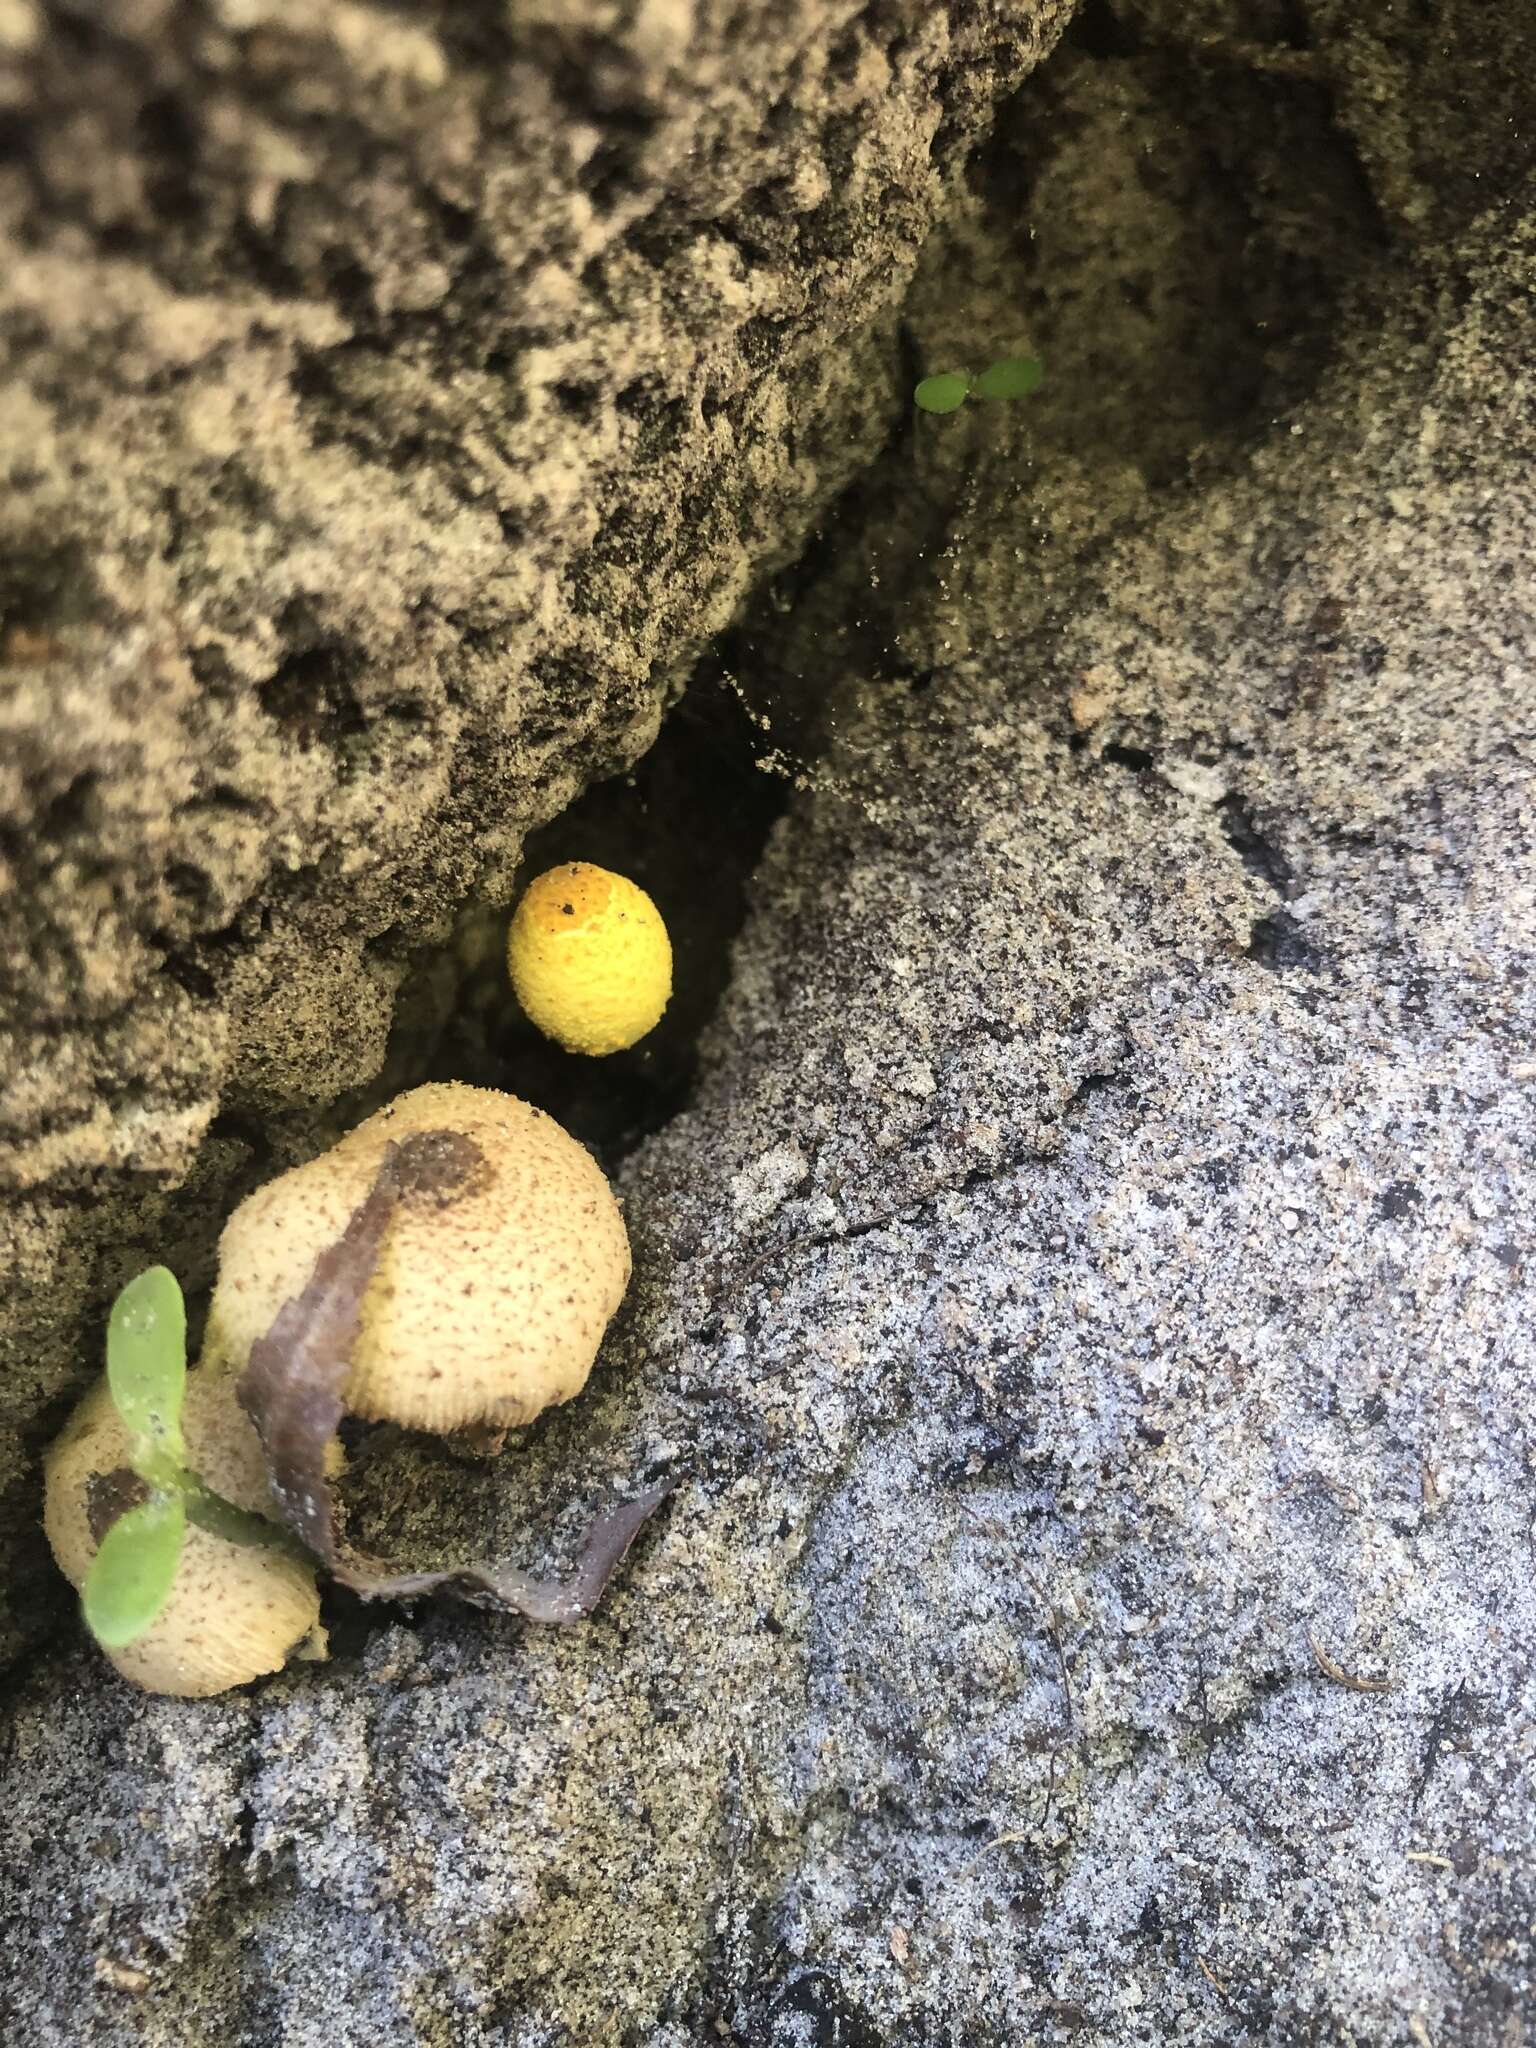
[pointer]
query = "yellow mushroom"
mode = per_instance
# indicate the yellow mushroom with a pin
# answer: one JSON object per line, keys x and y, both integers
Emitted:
{"x": 503, "y": 1262}
{"x": 589, "y": 958}
{"x": 235, "y": 1611}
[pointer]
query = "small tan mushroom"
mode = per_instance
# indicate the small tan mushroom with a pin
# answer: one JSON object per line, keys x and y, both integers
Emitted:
{"x": 503, "y": 1263}
{"x": 235, "y": 1611}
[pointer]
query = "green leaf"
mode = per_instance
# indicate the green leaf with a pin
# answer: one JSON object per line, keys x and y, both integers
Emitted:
{"x": 147, "y": 1371}
{"x": 132, "y": 1573}
{"x": 1011, "y": 377}
{"x": 943, "y": 393}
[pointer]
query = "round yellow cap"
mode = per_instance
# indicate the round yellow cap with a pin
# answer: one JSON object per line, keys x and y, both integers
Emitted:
{"x": 590, "y": 959}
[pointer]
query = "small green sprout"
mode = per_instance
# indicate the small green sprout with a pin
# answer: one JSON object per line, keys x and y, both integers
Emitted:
{"x": 943, "y": 393}
{"x": 1009, "y": 377}
{"x": 131, "y": 1576}
{"x": 132, "y": 1573}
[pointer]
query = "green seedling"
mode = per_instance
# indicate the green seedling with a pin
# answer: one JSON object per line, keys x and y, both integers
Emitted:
{"x": 131, "y": 1576}
{"x": 1009, "y": 377}
{"x": 946, "y": 392}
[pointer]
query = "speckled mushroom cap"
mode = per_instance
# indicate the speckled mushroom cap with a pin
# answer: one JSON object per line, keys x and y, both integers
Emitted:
{"x": 235, "y": 1611}
{"x": 223, "y": 1448}
{"x": 501, "y": 1266}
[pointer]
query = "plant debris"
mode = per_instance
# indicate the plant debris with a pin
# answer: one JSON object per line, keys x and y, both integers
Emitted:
{"x": 1340, "y": 1676}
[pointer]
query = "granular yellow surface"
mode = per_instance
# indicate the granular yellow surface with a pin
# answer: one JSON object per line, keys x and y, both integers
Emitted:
{"x": 590, "y": 959}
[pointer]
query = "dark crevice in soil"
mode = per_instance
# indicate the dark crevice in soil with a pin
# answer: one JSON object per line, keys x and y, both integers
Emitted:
{"x": 688, "y": 823}
{"x": 1279, "y": 943}
{"x": 1254, "y": 847}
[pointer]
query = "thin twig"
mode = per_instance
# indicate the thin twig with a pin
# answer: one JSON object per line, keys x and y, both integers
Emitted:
{"x": 1210, "y": 1975}
{"x": 1069, "y": 1700}
{"x": 997, "y": 1842}
{"x": 1340, "y": 1676}
{"x": 1053, "y": 1627}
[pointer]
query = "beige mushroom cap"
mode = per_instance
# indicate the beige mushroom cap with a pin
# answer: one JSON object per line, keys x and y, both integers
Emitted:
{"x": 501, "y": 1267}
{"x": 235, "y": 1611}
{"x": 223, "y": 1448}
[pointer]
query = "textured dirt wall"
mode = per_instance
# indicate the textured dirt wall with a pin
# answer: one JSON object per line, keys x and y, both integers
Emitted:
{"x": 1085, "y": 1305}
{"x": 1085, "y": 1310}
{"x": 392, "y": 401}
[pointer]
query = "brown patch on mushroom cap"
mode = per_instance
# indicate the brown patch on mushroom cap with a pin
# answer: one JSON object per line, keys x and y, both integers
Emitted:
{"x": 292, "y": 1386}
{"x": 109, "y": 1496}
{"x": 223, "y": 1447}
{"x": 441, "y": 1167}
{"x": 235, "y": 1611}
{"x": 491, "y": 1294}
